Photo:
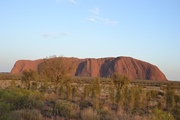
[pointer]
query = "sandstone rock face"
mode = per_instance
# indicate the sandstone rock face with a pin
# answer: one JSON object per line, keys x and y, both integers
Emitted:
{"x": 102, "y": 67}
{"x": 22, "y": 65}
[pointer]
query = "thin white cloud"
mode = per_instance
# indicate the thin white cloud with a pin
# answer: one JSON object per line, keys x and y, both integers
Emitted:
{"x": 95, "y": 10}
{"x": 73, "y": 1}
{"x": 55, "y": 35}
{"x": 95, "y": 17}
{"x": 101, "y": 20}
{"x": 110, "y": 22}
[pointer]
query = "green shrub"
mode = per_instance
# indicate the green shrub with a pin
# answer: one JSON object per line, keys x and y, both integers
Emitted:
{"x": 7, "y": 95}
{"x": 4, "y": 111}
{"x": 21, "y": 99}
{"x": 28, "y": 102}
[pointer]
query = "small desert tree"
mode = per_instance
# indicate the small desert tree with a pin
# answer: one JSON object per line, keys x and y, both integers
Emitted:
{"x": 129, "y": 98}
{"x": 169, "y": 97}
{"x": 56, "y": 70}
{"x": 74, "y": 93}
{"x": 137, "y": 92}
{"x": 68, "y": 85}
{"x": 27, "y": 76}
{"x": 148, "y": 99}
{"x": 111, "y": 94}
{"x": 176, "y": 109}
{"x": 95, "y": 92}
{"x": 120, "y": 82}
{"x": 96, "y": 88}
{"x": 86, "y": 93}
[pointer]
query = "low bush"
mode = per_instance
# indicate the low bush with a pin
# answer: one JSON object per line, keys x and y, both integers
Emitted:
{"x": 65, "y": 109}
{"x": 26, "y": 114}
{"x": 107, "y": 115}
{"x": 89, "y": 114}
{"x": 28, "y": 102}
{"x": 21, "y": 98}
{"x": 4, "y": 111}
{"x": 161, "y": 115}
{"x": 85, "y": 104}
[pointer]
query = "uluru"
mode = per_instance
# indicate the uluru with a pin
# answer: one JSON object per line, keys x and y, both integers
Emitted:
{"x": 102, "y": 67}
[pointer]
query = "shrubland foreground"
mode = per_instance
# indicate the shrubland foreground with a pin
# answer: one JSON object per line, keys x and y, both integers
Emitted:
{"x": 51, "y": 94}
{"x": 90, "y": 99}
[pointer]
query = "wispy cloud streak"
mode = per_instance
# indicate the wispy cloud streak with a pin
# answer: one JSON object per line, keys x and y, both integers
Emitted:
{"x": 101, "y": 20}
{"x": 95, "y": 17}
{"x": 70, "y": 1}
{"x": 55, "y": 35}
{"x": 73, "y": 1}
{"x": 95, "y": 10}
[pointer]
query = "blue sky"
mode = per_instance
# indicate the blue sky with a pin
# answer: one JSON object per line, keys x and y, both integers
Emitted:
{"x": 148, "y": 30}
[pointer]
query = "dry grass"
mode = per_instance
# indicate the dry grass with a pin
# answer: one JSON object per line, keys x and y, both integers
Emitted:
{"x": 89, "y": 114}
{"x": 107, "y": 115}
{"x": 66, "y": 109}
{"x": 27, "y": 115}
{"x": 50, "y": 96}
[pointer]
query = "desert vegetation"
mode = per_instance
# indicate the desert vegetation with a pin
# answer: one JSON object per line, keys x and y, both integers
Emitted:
{"x": 51, "y": 94}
